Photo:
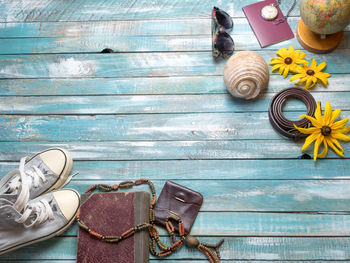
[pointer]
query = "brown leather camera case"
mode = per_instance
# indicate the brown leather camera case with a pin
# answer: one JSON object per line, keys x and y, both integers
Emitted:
{"x": 178, "y": 200}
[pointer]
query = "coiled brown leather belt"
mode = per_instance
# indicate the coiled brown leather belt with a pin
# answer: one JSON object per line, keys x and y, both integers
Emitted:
{"x": 277, "y": 119}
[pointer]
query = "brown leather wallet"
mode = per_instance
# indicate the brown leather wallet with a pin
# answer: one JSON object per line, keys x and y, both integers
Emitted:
{"x": 178, "y": 200}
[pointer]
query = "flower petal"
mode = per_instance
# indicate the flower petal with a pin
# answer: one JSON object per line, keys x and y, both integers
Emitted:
{"x": 276, "y": 67}
{"x": 336, "y": 143}
{"x": 294, "y": 68}
{"x": 281, "y": 70}
{"x": 317, "y": 145}
{"x": 286, "y": 71}
{"x": 291, "y": 49}
{"x": 308, "y": 83}
{"x": 314, "y": 122}
{"x": 313, "y": 64}
{"x": 309, "y": 140}
{"x": 273, "y": 62}
{"x": 308, "y": 130}
{"x": 303, "y": 79}
{"x": 341, "y": 137}
{"x": 321, "y": 66}
{"x": 321, "y": 77}
{"x": 346, "y": 129}
{"x": 327, "y": 114}
{"x": 335, "y": 114}
{"x": 339, "y": 124}
{"x": 299, "y": 69}
{"x": 302, "y": 55}
{"x": 325, "y": 149}
{"x": 301, "y": 61}
{"x": 318, "y": 114}
{"x": 296, "y": 76}
{"x": 335, "y": 149}
{"x": 282, "y": 52}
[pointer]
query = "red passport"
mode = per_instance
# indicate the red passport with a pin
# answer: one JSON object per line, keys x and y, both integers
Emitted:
{"x": 113, "y": 214}
{"x": 265, "y": 31}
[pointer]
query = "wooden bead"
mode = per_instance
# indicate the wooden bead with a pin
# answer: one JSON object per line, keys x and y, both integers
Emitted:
{"x": 90, "y": 189}
{"x": 169, "y": 227}
{"x": 105, "y": 187}
{"x": 95, "y": 234}
{"x": 154, "y": 200}
{"x": 151, "y": 215}
{"x": 162, "y": 246}
{"x": 126, "y": 184}
{"x": 211, "y": 260}
{"x": 181, "y": 229}
{"x": 128, "y": 233}
{"x": 174, "y": 217}
{"x": 153, "y": 232}
{"x": 152, "y": 246}
{"x": 83, "y": 226}
{"x": 141, "y": 181}
{"x": 176, "y": 245}
{"x": 164, "y": 253}
{"x": 191, "y": 241}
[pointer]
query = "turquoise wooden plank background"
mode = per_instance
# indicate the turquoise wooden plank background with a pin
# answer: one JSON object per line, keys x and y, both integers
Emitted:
{"x": 158, "y": 108}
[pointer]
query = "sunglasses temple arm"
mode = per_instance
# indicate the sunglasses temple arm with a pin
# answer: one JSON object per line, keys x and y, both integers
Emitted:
{"x": 215, "y": 51}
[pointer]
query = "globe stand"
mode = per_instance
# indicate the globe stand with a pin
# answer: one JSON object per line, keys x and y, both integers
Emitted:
{"x": 314, "y": 42}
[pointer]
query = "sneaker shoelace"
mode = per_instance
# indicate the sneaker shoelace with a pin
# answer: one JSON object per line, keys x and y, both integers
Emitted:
{"x": 36, "y": 214}
{"x": 24, "y": 181}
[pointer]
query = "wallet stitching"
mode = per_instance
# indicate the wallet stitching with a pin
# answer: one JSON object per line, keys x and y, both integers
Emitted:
{"x": 194, "y": 204}
{"x": 195, "y": 193}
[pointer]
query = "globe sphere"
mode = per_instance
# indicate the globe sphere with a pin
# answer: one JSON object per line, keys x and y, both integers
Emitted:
{"x": 325, "y": 16}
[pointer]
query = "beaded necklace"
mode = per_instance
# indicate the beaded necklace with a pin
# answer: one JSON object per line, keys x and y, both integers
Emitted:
{"x": 210, "y": 250}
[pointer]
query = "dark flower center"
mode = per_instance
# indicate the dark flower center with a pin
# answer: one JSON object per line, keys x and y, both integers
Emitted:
{"x": 288, "y": 61}
{"x": 326, "y": 130}
{"x": 310, "y": 72}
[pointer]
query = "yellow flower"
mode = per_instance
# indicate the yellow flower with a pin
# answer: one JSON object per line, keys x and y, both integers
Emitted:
{"x": 325, "y": 130}
{"x": 288, "y": 60}
{"x": 311, "y": 74}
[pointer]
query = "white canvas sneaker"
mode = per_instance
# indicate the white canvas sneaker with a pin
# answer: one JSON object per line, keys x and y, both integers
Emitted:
{"x": 42, "y": 173}
{"x": 42, "y": 218}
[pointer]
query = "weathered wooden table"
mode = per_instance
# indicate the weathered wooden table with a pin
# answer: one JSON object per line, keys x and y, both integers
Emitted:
{"x": 158, "y": 109}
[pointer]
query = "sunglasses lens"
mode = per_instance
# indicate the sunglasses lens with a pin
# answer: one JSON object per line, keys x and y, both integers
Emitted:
{"x": 224, "y": 19}
{"x": 224, "y": 43}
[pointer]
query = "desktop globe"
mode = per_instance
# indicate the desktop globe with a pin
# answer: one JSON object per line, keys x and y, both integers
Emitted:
{"x": 321, "y": 24}
{"x": 325, "y": 16}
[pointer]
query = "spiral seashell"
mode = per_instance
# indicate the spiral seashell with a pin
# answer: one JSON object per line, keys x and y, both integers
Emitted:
{"x": 246, "y": 75}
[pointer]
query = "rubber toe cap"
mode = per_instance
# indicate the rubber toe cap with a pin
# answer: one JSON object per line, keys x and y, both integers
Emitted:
{"x": 56, "y": 159}
{"x": 68, "y": 201}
